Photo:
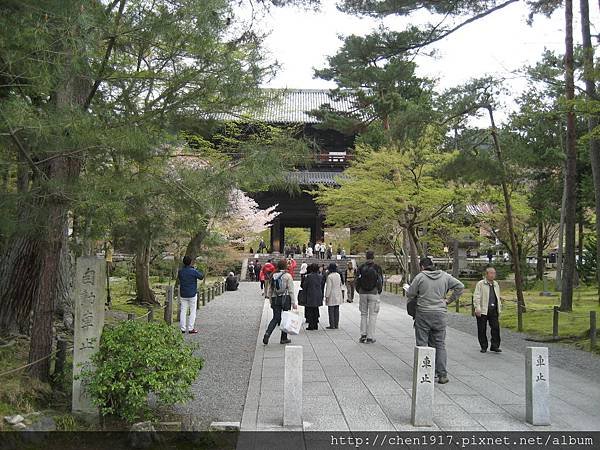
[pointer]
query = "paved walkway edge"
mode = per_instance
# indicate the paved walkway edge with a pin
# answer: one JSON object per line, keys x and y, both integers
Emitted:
{"x": 250, "y": 414}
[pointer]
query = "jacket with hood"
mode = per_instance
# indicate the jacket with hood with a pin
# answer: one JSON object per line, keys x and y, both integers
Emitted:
{"x": 430, "y": 288}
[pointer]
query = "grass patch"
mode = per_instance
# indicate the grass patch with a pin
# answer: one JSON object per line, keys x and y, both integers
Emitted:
{"x": 537, "y": 321}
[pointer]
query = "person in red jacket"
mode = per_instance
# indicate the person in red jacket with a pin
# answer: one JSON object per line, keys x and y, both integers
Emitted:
{"x": 265, "y": 276}
{"x": 292, "y": 266}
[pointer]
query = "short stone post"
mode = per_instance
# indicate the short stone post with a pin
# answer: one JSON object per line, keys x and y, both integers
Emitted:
{"x": 457, "y": 304}
{"x": 422, "y": 390}
{"x": 203, "y": 296}
{"x": 292, "y": 386}
{"x": 555, "y": 322}
{"x": 537, "y": 386}
{"x": 130, "y": 316}
{"x": 592, "y": 330}
{"x": 396, "y": 288}
{"x": 150, "y": 314}
{"x": 170, "y": 291}
{"x": 61, "y": 356}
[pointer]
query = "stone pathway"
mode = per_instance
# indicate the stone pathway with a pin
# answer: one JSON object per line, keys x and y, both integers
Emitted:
{"x": 361, "y": 387}
{"x": 227, "y": 329}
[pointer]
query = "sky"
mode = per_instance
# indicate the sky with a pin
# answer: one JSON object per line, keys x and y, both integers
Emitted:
{"x": 497, "y": 44}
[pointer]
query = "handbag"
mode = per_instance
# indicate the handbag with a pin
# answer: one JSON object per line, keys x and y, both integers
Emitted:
{"x": 284, "y": 301}
{"x": 302, "y": 298}
{"x": 411, "y": 307}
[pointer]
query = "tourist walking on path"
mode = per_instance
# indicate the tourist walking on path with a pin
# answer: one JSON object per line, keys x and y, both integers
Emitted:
{"x": 257, "y": 269}
{"x": 349, "y": 277}
{"x": 369, "y": 284}
{"x": 187, "y": 279}
{"x": 318, "y": 250}
{"x": 330, "y": 251}
{"x": 303, "y": 270}
{"x": 429, "y": 288}
{"x": 487, "y": 304}
{"x": 265, "y": 276}
{"x": 312, "y": 285}
{"x": 262, "y": 246}
{"x": 251, "y": 271}
{"x": 309, "y": 251}
{"x": 322, "y": 249}
{"x": 281, "y": 294}
{"x": 231, "y": 282}
{"x": 334, "y": 295}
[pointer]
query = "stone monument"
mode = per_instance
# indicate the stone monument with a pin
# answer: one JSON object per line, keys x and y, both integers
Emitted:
{"x": 423, "y": 383}
{"x": 537, "y": 386}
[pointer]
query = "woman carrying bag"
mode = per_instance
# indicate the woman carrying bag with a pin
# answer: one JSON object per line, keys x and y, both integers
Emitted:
{"x": 334, "y": 295}
{"x": 281, "y": 293}
{"x": 312, "y": 289}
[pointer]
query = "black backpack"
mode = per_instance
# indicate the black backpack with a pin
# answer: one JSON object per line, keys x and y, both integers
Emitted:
{"x": 369, "y": 278}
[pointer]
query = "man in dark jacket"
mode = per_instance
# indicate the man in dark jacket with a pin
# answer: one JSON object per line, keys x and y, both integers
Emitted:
{"x": 312, "y": 290}
{"x": 187, "y": 278}
{"x": 430, "y": 288}
{"x": 369, "y": 284}
{"x": 231, "y": 282}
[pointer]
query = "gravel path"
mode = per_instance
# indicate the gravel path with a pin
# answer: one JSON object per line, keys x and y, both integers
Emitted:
{"x": 581, "y": 362}
{"x": 227, "y": 329}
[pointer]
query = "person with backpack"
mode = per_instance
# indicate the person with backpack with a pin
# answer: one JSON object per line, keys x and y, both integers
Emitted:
{"x": 349, "y": 278}
{"x": 257, "y": 270}
{"x": 334, "y": 295}
{"x": 187, "y": 279}
{"x": 281, "y": 294}
{"x": 429, "y": 289}
{"x": 369, "y": 284}
{"x": 266, "y": 272}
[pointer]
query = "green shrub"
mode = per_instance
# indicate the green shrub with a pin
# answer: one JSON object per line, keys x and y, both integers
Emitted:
{"x": 136, "y": 358}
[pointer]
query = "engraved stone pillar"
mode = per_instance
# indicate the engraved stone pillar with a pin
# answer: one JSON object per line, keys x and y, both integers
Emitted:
{"x": 537, "y": 386}
{"x": 292, "y": 386}
{"x": 90, "y": 297}
{"x": 422, "y": 391}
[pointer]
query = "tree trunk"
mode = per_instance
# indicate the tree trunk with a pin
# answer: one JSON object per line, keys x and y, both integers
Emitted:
{"x": 540, "y": 266}
{"x": 19, "y": 275}
{"x": 414, "y": 255}
{"x": 509, "y": 216}
{"x": 195, "y": 245}
{"x": 592, "y": 119}
{"x": 142, "y": 274}
{"x": 566, "y": 299}
{"x": 561, "y": 235}
{"x": 580, "y": 238}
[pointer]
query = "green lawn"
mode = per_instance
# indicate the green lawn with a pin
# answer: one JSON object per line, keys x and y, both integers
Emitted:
{"x": 573, "y": 327}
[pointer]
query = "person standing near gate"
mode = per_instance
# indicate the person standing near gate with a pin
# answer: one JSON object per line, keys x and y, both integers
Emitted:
{"x": 187, "y": 278}
{"x": 349, "y": 277}
{"x": 430, "y": 288}
{"x": 487, "y": 304}
{"x": 369, "y": 284}
{"x": 334, "y": 295}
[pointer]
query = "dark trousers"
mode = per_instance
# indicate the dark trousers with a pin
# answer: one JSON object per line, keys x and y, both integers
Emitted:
{"x": 482, "y": 321}
{"x": 334, "y": 315}
{"x": 276, "y": 320}
{"x": 311, "y": 313}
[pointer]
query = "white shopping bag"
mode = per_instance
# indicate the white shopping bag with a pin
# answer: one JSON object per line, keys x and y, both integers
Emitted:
{"x": 291, "y": 322}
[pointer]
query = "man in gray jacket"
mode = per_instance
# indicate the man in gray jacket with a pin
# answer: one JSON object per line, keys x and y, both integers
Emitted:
{"x": 429, "y": 288}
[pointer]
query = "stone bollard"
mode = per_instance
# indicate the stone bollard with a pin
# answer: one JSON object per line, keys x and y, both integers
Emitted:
{"x": 422, "y": 390}
{"x": 203, "y": 296}
{"x": 292, "y": 386}
{"x": 130, "y": 316}
{"x": 150, "y": 314}
{"x": 537, "y": 386}
{"x": 169, "y": 305}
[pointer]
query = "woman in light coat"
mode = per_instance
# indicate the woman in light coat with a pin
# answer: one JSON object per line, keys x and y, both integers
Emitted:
{"x": 334, "y": 296}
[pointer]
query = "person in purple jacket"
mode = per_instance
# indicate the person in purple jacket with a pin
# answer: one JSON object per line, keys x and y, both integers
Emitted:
{"x": 187, "y": 278}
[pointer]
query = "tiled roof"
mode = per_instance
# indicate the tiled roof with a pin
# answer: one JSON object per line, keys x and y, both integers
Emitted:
{"x": 307, "y": 178}
{"x": 290, "y": 106}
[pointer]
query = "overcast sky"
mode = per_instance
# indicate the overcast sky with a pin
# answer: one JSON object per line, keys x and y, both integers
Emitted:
{"x": 497, "y": 44}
